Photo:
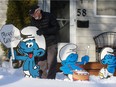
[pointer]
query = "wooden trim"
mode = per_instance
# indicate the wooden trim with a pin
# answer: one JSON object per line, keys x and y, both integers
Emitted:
{"x": 93, "y": 65}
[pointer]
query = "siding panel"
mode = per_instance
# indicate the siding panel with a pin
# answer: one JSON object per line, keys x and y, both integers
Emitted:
{"x": 97, "y": 25}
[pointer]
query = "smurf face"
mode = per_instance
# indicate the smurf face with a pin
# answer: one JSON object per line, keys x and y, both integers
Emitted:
{"x": 29, "y": 44}
{"x": 29, "y": 47}
{"x": 66, "y": 50}
{"x": 105, "y": 51}
{"x": 72, "y": 58}
{"x": 40, "y": 40}
{"x": 109, "y": 59}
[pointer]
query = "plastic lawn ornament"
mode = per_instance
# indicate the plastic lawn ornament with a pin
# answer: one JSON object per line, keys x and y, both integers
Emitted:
{"x": 109, "y": 59}
{"x": 71, "y": 64}
{"x": 30, "y": 31}
{"x": 31, "y": 47}
{"x": 69, "y": 59}
{"x": 28, "y": 48}
{"x": 10, "y": 37}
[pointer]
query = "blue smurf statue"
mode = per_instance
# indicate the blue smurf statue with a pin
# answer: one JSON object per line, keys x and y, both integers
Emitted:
{"x": 71, "y": 64}
{"x": 69, "y": 58}
{"x": 29, "y": 49}
{"x": 30, "y": 46}
{"x": 107, "y": 58}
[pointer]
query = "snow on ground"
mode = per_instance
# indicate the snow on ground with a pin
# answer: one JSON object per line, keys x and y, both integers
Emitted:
{"x": 10, "y": 77}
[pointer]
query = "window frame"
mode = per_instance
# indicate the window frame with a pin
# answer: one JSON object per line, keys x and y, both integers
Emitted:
{"x": 95, "y": 11}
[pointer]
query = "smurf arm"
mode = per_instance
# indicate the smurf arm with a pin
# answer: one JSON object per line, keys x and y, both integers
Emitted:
{"x": 23, "y": 58}
{"x": 9, "y": 53}
{"x": 40, "y": 52}
{"x": 84, "y": 60}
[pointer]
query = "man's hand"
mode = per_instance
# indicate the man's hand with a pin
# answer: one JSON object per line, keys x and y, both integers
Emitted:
{"x": 39, "y": 32}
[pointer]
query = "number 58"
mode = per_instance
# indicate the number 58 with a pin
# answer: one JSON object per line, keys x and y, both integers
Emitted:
{"x": 82, "y": 12}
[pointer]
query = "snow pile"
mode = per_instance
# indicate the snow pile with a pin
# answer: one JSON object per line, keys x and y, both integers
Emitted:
{"x": 10, "y": 77}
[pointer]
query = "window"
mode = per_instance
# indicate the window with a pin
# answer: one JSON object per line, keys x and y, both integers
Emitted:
{"x": 60, "y": 8}
{"x": 105, "y": 8}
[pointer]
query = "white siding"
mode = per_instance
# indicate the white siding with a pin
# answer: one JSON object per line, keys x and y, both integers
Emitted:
{"x": 3, "y": 9}
{"x": 97, "y": 25}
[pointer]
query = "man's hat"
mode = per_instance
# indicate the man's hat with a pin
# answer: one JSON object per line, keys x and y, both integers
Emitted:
{"x": 33, "y": 8}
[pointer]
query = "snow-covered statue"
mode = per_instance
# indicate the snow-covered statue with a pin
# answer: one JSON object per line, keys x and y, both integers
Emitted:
{"x": 109, "y": 59}
{"x": 69, "y": 62}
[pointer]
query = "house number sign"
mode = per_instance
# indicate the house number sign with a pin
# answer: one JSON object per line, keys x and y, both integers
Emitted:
{"x": 81, "y": 12}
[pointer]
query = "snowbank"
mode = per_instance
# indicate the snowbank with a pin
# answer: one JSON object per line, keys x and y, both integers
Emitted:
{"x": 14, "y": 78}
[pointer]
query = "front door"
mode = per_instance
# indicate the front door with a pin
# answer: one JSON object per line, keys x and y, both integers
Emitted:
{"x": 60, "y": 8}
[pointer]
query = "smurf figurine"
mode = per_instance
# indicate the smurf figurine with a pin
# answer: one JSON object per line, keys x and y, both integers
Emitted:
{"x": 70, "y": 64}
{"x": 29, "y": 49}
{"x": 108, "y": 59}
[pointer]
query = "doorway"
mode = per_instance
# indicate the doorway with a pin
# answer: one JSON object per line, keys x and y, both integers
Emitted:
{"x": 61, "y": 10}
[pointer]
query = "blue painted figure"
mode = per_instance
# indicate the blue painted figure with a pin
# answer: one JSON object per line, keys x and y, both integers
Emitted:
{"x": 110, "y": 60}
{"x": 29, "y": 49}
{"x": 71, "y": 64}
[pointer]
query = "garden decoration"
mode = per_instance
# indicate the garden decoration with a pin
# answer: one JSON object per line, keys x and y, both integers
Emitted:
{"x": 70, "y": 66}
{"x": 28, "y": 48}
{"x": 107, "y": 58}
{"x": 10, "y": 37}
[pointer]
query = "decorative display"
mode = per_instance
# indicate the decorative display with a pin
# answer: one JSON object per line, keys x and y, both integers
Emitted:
{"x": 70, "y": 66}
{"x": 10, "y": 35}
{"x": 28, "y": 48}
{"x": 10, "y": 38}
{"x": 109, "y": 59}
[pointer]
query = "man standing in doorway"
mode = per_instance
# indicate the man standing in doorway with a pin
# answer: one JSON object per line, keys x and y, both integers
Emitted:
{"x": 49, "y": 27}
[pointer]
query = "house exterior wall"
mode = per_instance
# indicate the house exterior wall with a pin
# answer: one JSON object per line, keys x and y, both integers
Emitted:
{"x": 3, "y": 9}
{"x": 97, "y": 25}
{"x": 82, "y": 37}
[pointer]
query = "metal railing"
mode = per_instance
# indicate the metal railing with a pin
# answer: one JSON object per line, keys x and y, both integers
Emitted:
{"x": 106, "y": 39}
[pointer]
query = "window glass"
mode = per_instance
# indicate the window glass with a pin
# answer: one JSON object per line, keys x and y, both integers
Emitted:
{"x": 106, "y": 7}
{"x": 60, "y": 8}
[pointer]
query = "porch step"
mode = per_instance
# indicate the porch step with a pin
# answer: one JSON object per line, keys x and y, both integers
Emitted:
{"x": 92, "y": 67}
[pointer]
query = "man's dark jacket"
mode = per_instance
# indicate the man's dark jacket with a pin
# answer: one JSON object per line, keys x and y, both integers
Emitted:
{"x": 49, "y": 27}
